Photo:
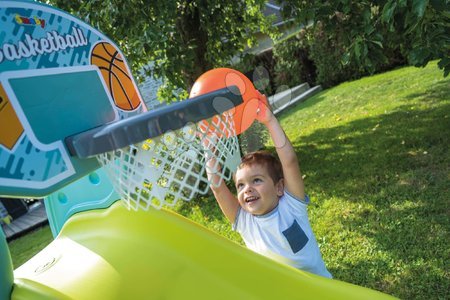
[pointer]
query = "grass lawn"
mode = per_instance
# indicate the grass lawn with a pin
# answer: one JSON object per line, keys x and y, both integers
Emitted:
{"x": 376, "y": 156}
{"x": 23, "y": 248}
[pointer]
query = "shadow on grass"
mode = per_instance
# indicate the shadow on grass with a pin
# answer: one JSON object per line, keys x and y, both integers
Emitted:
{"x": 399, "y": 165}
{"x": 441, "y": 90}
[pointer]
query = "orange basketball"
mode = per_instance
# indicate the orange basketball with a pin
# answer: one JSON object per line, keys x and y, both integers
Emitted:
{"x": 117, "y": 78}
{"x": 245, "y": 113}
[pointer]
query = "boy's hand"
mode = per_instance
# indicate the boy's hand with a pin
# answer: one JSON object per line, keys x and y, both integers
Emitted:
{"x": 264, "y": 114}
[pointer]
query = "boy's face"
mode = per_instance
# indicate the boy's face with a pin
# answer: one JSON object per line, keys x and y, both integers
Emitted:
{"x": 256, "y": 191}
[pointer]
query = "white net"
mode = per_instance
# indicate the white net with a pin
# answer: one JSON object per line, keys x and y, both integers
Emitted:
{"x": 162, "y": 170}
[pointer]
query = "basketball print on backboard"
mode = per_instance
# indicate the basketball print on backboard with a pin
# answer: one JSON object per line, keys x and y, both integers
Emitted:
{"x": 9, "y": 120}
{"x": 116, "y": 75}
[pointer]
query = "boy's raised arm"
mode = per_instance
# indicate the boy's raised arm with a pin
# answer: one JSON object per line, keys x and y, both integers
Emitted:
{"x": 293, "y": 180}
{"x": 228, "y": 203}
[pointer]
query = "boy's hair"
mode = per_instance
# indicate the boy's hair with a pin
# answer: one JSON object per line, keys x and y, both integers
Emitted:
{"x": 266, "y": 159}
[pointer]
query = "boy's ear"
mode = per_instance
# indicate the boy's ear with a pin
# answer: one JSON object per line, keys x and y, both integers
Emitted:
{"x": 280, "y": 187}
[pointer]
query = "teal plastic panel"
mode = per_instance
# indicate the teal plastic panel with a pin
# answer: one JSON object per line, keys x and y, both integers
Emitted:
{"x": 90, "y": 192}
{"x": 6, "y": 271}
{"x": 64, "y": 103}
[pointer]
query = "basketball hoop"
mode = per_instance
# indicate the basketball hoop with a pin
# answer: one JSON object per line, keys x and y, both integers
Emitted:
{"x": 160, "y": 171}
{"x": 159, "y": 157}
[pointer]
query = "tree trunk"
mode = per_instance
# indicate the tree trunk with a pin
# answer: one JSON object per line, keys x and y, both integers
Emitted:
{"x": 192, "y": 33}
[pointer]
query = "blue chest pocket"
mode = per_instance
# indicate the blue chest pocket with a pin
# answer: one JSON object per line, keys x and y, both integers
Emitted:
{"x": 296, "y": 237}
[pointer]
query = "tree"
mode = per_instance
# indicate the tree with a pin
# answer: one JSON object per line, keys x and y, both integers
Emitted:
{"x": 183, "y": 38}
{"x": 425, "y": 27}
{"x": 419, "y": 29}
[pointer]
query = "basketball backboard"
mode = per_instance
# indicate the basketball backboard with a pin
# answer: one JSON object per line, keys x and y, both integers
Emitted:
{"x": 58, "y": 77}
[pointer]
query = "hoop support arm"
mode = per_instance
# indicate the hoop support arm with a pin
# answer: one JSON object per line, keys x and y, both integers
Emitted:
{"x": 151, "y": 124}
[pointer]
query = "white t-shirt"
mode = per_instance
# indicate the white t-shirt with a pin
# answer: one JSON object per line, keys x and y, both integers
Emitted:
{"x": 284, "y": 234}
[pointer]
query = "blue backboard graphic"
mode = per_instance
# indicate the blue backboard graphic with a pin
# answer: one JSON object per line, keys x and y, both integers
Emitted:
{"x": 58, "y": 77}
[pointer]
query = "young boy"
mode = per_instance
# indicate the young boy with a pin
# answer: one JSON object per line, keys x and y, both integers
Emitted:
{"x": 270, "y": 210}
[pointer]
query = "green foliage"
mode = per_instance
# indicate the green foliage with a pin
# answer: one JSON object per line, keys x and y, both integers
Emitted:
{"x": 330, "y": 58}
{"x": 183, "y": 38}
{"x": 425, "y": 26}
{"x": 258, "y": 68}
{"x": 365, "y": 33}
{"x": 347, "y": 26}
{"x": 293, "y": 65}
{"x": 340, "y": 42}
{"x": 171, "y": 93}
{"x": 254, "y": 138}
